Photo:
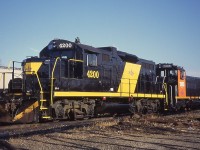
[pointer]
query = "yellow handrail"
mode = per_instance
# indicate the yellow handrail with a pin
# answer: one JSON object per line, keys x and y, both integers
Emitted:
{"x": 41, "y": 90}
{"x": 166, "y": 97}
{"x": 77, "y": 60}
{"x": 52, "y": 77}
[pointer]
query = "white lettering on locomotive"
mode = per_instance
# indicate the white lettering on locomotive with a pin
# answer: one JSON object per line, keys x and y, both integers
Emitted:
{"x": 182, "y": 84}
{"x": 65, "y": 45}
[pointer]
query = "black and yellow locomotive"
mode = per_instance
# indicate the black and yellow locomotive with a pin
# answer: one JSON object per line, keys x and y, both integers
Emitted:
{"x": 71, "y": 80}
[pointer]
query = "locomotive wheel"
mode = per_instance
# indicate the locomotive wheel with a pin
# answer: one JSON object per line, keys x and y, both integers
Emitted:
{"x": 59, "y": 111}
{"x": 72, "y": 115}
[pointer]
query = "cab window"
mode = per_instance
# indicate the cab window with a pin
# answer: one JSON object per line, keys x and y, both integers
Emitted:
{"x": 91, "y": 59}
{"x": 182, "y": 75}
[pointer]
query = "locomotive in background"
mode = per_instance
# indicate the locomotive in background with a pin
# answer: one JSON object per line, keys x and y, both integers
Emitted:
{"x": 71, "y": 80}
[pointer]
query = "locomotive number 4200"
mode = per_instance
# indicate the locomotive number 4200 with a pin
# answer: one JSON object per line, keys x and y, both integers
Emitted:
{"x": 92, "y": 74}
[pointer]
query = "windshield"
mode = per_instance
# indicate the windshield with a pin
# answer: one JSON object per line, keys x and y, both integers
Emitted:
{"x": 67, "y": 54}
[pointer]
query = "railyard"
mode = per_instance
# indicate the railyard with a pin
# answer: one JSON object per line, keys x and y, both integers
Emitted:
{"x": 153, "y": 131}
{"x": 73, "y": 81}
{"x": 107, "y": 75}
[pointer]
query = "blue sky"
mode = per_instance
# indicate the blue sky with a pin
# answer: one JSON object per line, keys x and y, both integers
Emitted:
{"x": 159, "y": 30}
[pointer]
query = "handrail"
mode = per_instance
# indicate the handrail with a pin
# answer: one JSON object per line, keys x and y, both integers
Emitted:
{"x": 76, "y": 60}
{"x": 52, "y": 77}
{"x": 126, "y": 82}
{"x": 166, "y": 97}
{"x": 171, "y": 95}
{"x": 41, "y": 89}
{"x": 40, "y": 85}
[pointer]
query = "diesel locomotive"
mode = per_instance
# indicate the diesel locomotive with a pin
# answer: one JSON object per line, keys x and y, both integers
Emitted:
{"x": 70, "y": 80}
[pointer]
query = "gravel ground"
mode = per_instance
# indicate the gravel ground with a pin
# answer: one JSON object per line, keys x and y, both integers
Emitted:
{"x": 180, "y": 131}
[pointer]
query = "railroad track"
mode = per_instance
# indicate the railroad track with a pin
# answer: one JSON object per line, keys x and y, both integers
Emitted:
{"x": 22, "y": 130}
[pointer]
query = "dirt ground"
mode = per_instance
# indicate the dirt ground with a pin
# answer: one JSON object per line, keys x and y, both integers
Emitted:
{"x": 149, "y": 132}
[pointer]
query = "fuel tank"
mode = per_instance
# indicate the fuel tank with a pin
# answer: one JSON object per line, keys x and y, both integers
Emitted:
{"x": 114, "y": 108}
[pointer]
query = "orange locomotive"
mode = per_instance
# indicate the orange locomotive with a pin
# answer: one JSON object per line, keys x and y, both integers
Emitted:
{"x": 181, "y": 90}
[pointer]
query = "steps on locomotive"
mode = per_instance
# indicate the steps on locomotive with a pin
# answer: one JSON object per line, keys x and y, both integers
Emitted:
{"x": 43, "y": 104}
{"x": 44, "y": 109}
{"x": 43, "y": 100}
{"x": 46, "y": 117}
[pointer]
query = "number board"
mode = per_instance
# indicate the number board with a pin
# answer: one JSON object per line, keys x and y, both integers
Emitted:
{"x": 65, "y": 45}
{"x": 93, "y": 74}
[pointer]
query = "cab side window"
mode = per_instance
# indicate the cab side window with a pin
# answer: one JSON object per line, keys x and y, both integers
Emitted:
{"x": 91, "y": 59}
{"x": 182, "y": 75}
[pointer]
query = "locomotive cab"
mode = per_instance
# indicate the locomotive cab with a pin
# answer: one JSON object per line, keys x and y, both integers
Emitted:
{"x": 174, "y": 83}
{"x": 70, "y": 57}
